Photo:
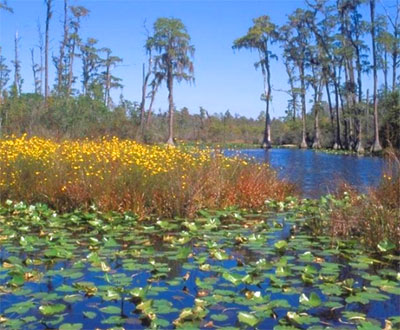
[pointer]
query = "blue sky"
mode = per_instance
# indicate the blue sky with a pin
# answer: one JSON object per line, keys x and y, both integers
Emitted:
{"x": 225, "y": 79}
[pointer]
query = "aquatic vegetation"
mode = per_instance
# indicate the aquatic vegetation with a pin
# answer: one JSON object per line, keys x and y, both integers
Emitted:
{"x": 375, "y": 216}
{"x": 373, "y": 221}
{"x": 225, "y": 269}
{"x": 121, "y": 175}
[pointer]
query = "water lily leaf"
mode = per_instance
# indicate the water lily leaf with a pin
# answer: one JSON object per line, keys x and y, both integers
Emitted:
{"x": 20, "y": 308}
{"x": 71, "y": 326}
{"x": 281, "y": 245}
{"x": 358, "y": 299}
{"x": 138, "y": 292}
{"x": 219, "y": 317}
{"x": 383, "y": 283}
{"x": 278, "y": 303}
{"x": 65, "y": 288}
{"x": 306, "y": 257}
{"x": 391, "y": 289}
{"x": 73, "y": 298}
{"x": 114, "y": 319}
{"x": 17, "y": 279}
{"x": 58, "y": 252}
{"x": 368, "y": 326}
{"x": 333, "y": 304}
{"x": 111, "y": 310}
{"x": 331, "y": 289}
{"x": 313, "y": 301}
{"x": 395, "y": 319}
{"x": 373, "y": 296}
{"x": 248, "y": 319}
{"x": 235, "y": 279}
{"x": 301, "y": 318}
{"x": 386, "y": 245}
{"x": 309, "y": 270}
{"x": 48, "y": 310}
{"x": 161, "y": 323}
{"x": 284, "y": 327}
{"x": 145, "y": 306}
{"x": 90, "y": 315}
{"x": 183, "y": 252}
{"x": 351, "y": 316}
{"x": 191, "y": 226}
{"x": 220, "y": 255}
{"x": 111, "y": 295}
{"x": 282, "y": 271}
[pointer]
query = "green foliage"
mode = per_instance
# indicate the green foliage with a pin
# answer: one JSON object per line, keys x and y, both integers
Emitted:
{"x": 390, "y": 119}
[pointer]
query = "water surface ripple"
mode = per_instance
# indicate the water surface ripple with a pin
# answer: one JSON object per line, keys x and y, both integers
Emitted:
{"x": 319, "y": 173}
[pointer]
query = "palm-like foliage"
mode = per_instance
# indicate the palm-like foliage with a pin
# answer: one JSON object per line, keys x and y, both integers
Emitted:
{"x": 298, "y": 48}
{"x": 4, "y": 5}
{"x": 259, "y": 37}
{"x": 172, "y": 45}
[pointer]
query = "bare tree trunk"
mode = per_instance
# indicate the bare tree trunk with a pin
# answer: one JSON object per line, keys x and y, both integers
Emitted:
{"x": 267, "y": 87}
{"x": 150, "y": 110}
{"x": 41, "y": 46}
{"x": 153, "y": 96}
{"x": 395, "y": 49}
{"x": 360, "y": 146}
{"x": 108, "y": 87}
{"x": 385, "y": 71}
{"x": 353, "y": 109}
{"x": 331, "y": 116}
{"x": 46, "y": 56}
{"x": 35, "y": 70}
{"x": 267, "y": 130}
{"x": 345, "y": 122}
{"x": 146, "y": 77}
{"x": 317, "y": 105}
{"x": 17, "y": 66}
{"x": 338, "y": 142}
{"x": 292, "y": 91}
{"x": 376, "y": 146}
{"x": 360, "y": 143}
{"x": 367, "y": 114}
{"x": 170, "y": 83}
{"x": 394, "y": 65}
{"x": 303, "y": 144}
{"x": 71, "y": 65}
{"x": 60, "y": 66}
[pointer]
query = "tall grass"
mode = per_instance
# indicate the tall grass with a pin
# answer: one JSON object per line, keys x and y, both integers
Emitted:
{"x": 374, "y": 217}
{"x": 123, "y": 175}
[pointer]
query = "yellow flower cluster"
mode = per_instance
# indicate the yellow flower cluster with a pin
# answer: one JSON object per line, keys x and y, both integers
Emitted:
{"x": 79, "y": 160}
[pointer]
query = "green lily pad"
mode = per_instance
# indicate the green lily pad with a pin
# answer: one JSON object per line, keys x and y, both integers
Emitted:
{"x": 386, "y": 245}
{"x": 71, "y": 326}
{"x": 219, "y": 317}
{"x": 313, "y": 301}
{"x": 90, "y": 315}
{"x": 248, "y": 319}
{"x": 48, "y": 310}
{"x": 111, "y": 310}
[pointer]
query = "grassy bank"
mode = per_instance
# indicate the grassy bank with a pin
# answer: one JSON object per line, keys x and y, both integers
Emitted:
{"x": 124, "y": 175}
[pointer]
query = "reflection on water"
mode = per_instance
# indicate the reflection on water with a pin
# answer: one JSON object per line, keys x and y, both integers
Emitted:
{"x": 318, "y": 173}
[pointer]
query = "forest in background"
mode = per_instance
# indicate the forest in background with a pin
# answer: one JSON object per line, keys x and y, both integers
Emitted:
{"x": 325, "y": 50}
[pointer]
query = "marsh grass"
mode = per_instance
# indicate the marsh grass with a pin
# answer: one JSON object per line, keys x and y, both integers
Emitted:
{"x": 375, "y": 216}
{"x": 123, "y": 175}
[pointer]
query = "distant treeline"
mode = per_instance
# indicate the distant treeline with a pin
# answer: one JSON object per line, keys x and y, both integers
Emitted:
{"x": 324, "y": 49}
{"x": 82, "y": 116}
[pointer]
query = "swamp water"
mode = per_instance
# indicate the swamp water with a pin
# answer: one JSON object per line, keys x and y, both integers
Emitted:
{"x": 319, "y": 173}
{"x": 225, "y": 270}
